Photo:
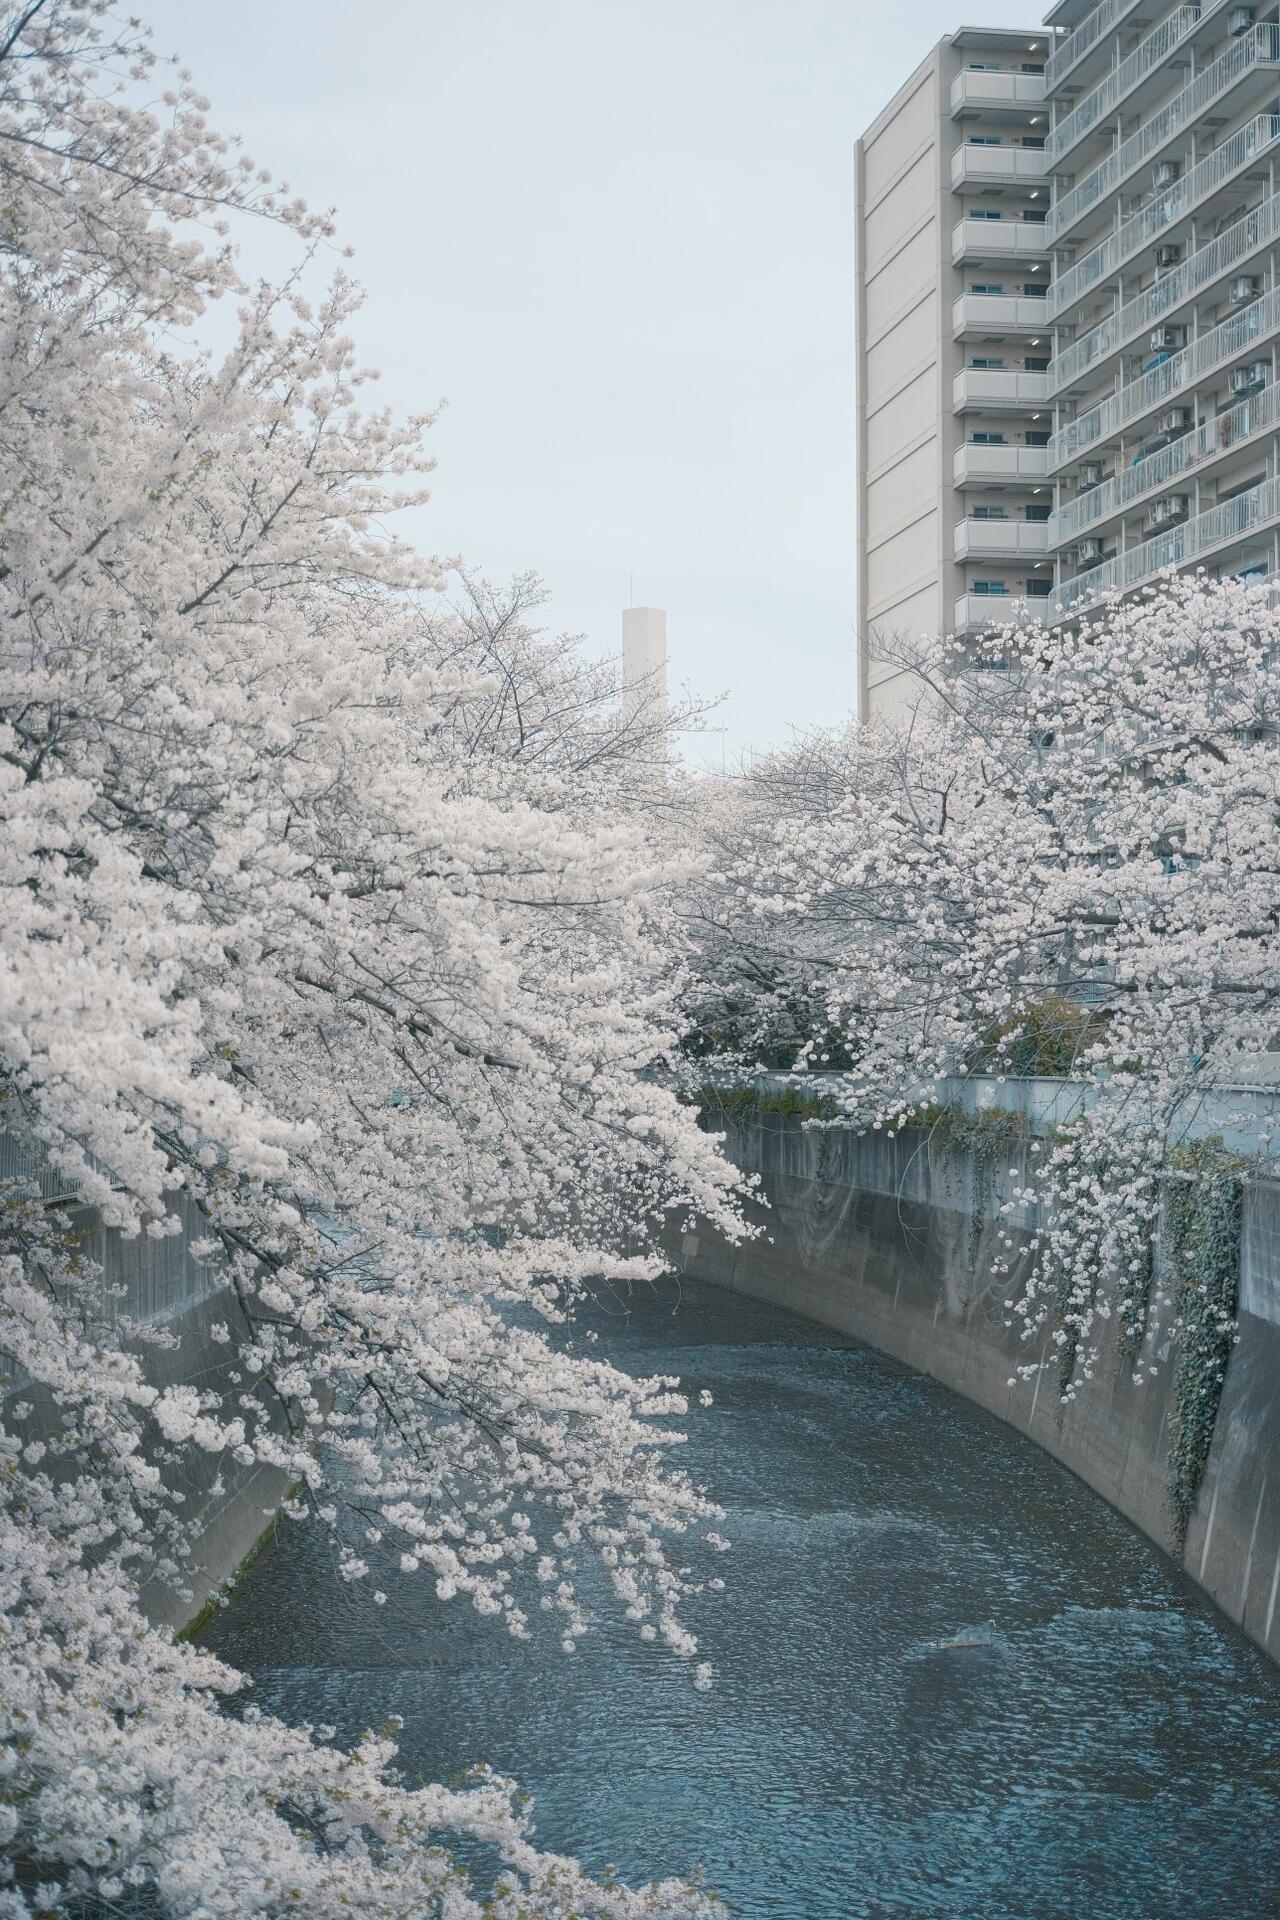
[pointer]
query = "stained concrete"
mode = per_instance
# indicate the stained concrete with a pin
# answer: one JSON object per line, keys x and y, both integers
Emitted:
{"x": 893, "y": 1243}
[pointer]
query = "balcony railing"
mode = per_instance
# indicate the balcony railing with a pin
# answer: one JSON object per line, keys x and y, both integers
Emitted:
{"x": 1239, "y": 151}
{"x": 1260, "y": 47}
{"x": 1229, "y": 251}
{"x": 976, "y": 89}
{"x": 999, "y": 539}
{"x": 1121, "y": 81}
{"x": 1071, "y": 50}
{"x": 978, "y": 465}
{"x": 977, "y": 611}
{"x": 1021, "y": 239}
{"x": 999, "y": 386}
{"x": 1236, "y": 427}
{"x": 999, "y": 313}
{"x": 1218, "y": 527}
{"x": 1213, "y": 349}
{"x": 983, "y": 163}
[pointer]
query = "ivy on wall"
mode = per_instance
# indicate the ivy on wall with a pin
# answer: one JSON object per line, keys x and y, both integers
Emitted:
{"x": 1203, "y": 1211}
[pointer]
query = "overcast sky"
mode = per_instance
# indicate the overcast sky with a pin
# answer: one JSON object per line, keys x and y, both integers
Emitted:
{"x": 616, "y": 236}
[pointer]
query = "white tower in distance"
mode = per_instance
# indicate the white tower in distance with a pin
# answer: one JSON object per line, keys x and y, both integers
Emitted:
{"x": 644, "y": 666}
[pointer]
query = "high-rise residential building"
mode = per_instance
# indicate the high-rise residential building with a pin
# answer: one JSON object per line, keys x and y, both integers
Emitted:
{"x": 1146, "y": 416}
{"x": 953, "y": 342}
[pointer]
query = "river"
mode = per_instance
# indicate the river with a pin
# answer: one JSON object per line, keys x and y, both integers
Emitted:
{"x": 1109, "y": 1751}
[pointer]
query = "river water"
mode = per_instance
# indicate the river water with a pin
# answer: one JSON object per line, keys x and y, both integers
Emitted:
{"x": 1109, "y": 1751}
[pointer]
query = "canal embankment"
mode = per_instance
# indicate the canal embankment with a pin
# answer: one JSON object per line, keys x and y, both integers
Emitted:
{"x": 893, "y": 1241}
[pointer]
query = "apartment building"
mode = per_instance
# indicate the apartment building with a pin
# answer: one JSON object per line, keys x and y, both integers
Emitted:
{"x": 1161, "y": 392}
{"x": 953, "y": 343}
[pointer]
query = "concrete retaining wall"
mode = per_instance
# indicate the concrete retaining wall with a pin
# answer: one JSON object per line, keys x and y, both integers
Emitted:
{"x": 876, "y": 1237}
{"x": 161, "y": 1283}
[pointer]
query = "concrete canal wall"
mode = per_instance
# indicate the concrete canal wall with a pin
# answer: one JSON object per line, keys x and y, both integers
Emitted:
{"x": 892, "y": 1243}
{"x": 160, "y": 1283}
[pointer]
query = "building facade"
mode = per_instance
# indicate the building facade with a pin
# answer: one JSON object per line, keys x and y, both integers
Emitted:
{"x": 1141, "y": 430}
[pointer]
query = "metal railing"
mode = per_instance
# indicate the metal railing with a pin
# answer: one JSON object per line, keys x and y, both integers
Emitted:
{"x": 977, "y": 463}
{"x": 1238, "y": 151}
{"x": 1017, "y": 237}
{"x": 1259, "y": 47}
{"x": 996, "y": 312}
{"x": 974, "y": 386}
{"x": 976, "y": 88}
{"x": 1258, "y": 414}
{"x": 1258, "y": 228}
{"x": 1122, "y": 79}
{"x": 976, "y": 162}
{"x": 1218, "y": 527}
{"x": 975, "y": 612}
{"x": 1073, "y": 48}
{"x": 1012, "y": 539}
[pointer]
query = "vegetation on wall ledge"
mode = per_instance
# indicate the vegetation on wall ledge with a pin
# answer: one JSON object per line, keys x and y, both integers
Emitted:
{"x": 1203, "y": 1210}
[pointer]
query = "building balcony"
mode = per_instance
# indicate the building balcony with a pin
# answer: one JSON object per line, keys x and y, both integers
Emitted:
{"x": 998, "y": 387}
{"x": 975, "y": 91}
{"x": 973, "y": 165}
{"x": 978, "y": 612}
{"x": 1211, "y": 442}
{"x": 998, "y": 240}
{"x": 1086, "y": 39}
{"x": 1001, "y": 540}
{"x": 980, "y": 466}
{"x": 1231, "y": 250}
{"x": 1122, "y": 83}
{"x": 998, "y": 313}
{"x": 1256, "y": 53}
{"x": 1214, "y": 350}
{"x": 1194, "y": 540}
{"x": 1219, "y": 171}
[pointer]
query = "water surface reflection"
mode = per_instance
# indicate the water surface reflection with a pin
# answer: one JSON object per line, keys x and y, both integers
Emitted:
{"x": 1108, "y": 1750}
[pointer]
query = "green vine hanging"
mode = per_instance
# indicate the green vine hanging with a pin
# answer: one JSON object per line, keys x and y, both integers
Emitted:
{"x": 1202, "y": 1220}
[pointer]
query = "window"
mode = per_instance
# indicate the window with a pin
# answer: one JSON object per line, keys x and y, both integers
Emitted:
{"x": 987, "y": 360}
{"x": 984, "y": 213}
{"x": 1027, "y": 67}
{"x": 1035, "y": 216}
{"x": 1033, "y": 140}
{"x": 1034, "y": 437}
{"x": 983, "y": 66}
{"x": 1036, "y": 362}
{"x": 1038, "y": 289}
{"x": 989, "y": 439}
{"x": 985, "y": 140}
{"x": 989, "y": 589}
{"x": 988, "y": 513}
{"x": 986, "y": 286}
{"x": 1037, "y": 513}
{"x": 1039, "y": 587}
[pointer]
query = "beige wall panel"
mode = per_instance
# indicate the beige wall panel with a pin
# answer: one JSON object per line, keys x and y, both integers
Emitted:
{"x": 908, "y": 274}
{"x": 897, "y": 568}
{"x": 900, "y": 491}
{"x": 909, "y": 414}
{"x": 903, "y": 348}
{"x": 903, "y": 207}
{"x": 914, "y": 123}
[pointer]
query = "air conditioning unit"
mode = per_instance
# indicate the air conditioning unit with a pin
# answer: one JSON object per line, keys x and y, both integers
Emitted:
{"x": 1166, "y": 173}
{"x": 1168, "y": 256}
{"x": 1165, "y": 339}
{"x": 1175, "y": 420}
{"x": 1089, "y": 552}
{"x": 1239, "y": 20}
{"x": 1249, "y": 379}
{"x": 1165, "y": 513}
{"x": 1243, "y": 287}
{"x": 1091, "y": 473}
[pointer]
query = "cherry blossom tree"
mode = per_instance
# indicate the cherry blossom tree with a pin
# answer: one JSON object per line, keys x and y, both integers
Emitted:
{"x": 334, "y": 919}
{"x": 1067, "y": 853}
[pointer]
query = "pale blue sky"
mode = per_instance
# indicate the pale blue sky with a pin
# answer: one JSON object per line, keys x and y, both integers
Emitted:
{"x": 617, "y": 237}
